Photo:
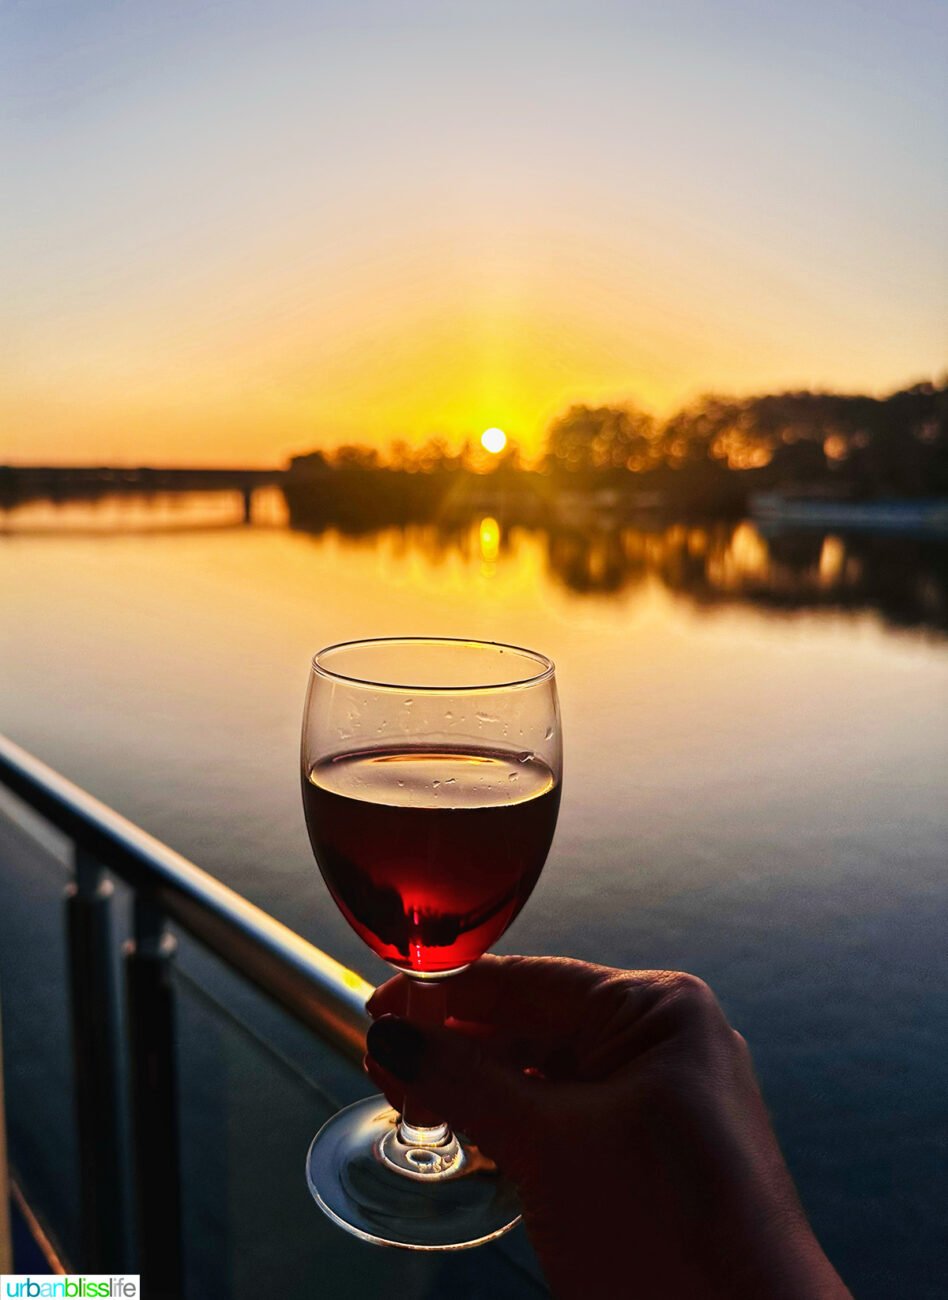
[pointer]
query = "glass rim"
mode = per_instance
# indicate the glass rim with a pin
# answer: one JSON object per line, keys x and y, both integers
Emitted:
{"x": 546, "y": 666}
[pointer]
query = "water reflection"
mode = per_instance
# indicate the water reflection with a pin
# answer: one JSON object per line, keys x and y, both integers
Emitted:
{"x": 904, "y": 580}
{"x": 86, "y": 515}
{"x": 490, "y": 535}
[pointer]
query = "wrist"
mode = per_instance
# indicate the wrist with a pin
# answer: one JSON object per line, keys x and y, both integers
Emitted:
{"x": 774, "y": 1255}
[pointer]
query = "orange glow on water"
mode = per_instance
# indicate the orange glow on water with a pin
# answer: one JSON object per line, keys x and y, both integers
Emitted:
{"x": 832, "y": 560}
{"x": 489, "y": 539}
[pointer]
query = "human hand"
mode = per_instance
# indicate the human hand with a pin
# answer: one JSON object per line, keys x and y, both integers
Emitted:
{"x": 626, "y": 1111}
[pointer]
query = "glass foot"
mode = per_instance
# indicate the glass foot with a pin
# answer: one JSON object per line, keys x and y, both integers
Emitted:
{"x": 393, "y": 1194}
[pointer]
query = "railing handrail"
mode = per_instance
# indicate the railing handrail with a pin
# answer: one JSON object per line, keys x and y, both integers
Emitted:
{"x": 313, "y": 987}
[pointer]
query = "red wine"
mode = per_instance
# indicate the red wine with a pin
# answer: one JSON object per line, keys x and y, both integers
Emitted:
{"x": 430, "y": 853}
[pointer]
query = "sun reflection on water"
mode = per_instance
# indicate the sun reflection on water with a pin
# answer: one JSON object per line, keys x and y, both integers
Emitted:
{"x": 489, "y": 535}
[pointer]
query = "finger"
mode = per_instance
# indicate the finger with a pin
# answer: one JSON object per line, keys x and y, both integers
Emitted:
{"x": 565, "y": 1019}
{"x": 516, "y": 1047}
{"x": 451, "y": 1075}
{"x": 678, "y": 1002}
{"x": 386, "y": 1082}
{"x": 390, "y": 998}
{"x": 541, "y": 996}
{"x": 521, "y": 1051}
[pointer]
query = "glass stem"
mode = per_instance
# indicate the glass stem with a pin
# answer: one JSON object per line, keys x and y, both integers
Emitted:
{"x": 426, "y": 1009}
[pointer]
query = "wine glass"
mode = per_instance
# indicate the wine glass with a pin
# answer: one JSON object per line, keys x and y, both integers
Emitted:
{"x": 431, "y": 775}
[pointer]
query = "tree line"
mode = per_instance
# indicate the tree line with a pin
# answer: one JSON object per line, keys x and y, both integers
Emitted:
{"x": 715, "y": 450}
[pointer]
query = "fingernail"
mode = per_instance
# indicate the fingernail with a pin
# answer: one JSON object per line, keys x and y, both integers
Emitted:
{"x": 397, "y": 1046}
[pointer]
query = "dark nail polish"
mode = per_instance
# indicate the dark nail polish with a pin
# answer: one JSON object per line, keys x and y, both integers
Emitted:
{"x": 397, "y": 1046}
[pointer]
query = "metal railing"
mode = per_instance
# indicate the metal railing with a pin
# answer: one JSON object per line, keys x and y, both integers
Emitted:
{"x": 317, "y": 991}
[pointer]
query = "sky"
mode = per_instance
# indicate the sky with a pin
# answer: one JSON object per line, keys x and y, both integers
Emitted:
{"x": 231, "y": 231}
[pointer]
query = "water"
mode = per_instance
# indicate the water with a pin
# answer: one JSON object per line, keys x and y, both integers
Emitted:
{"x": 755, "y": 751}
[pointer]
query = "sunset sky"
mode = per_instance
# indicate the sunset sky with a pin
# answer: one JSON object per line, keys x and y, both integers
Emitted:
{"x": 234, "y": 231}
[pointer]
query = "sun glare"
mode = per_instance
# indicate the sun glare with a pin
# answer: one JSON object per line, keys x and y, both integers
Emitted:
{"x": 493, "y": 440}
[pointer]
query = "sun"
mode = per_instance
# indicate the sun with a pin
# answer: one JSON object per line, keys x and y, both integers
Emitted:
{"x": 493, "y": 440}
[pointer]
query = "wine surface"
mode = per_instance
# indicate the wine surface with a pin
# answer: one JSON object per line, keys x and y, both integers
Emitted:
{"x": 430, "y": 853}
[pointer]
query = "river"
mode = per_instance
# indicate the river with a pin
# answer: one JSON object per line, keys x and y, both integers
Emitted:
{"x": 754, "y": 790}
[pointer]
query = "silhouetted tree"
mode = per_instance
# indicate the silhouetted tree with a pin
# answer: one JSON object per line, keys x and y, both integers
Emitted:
{"x": 596, "y": 439}
{"x": 350, "y": 456}
{"x": 704, "y": 460}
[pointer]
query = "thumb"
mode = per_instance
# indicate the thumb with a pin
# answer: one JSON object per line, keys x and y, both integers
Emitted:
{"x": 451, "y": 1075}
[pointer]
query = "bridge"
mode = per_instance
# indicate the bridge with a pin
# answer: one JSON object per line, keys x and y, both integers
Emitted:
{"x": 20, "y": 483}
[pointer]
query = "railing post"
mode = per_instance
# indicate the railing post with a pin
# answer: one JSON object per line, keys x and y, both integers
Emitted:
{"x": 6, "y": 1235}
{"x": 154, "y": 1103}
{"x": 95, "y": 1044}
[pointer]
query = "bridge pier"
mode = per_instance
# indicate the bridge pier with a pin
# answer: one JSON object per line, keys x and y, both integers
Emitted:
{"x": 247, "y": 494}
